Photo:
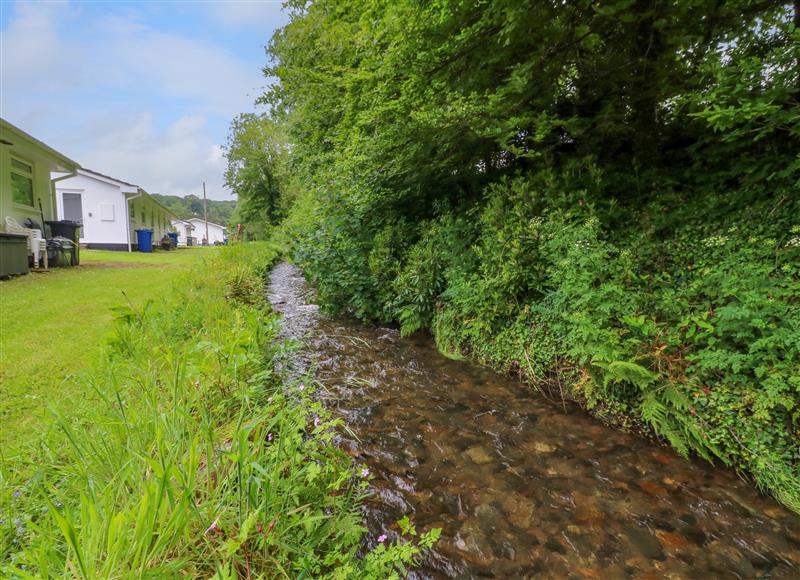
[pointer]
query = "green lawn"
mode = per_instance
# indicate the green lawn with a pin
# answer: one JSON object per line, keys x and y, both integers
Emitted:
{"x": 53, "y": 325}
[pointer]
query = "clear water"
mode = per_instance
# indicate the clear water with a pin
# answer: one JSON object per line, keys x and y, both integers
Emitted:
{"x": 521, "y": 487}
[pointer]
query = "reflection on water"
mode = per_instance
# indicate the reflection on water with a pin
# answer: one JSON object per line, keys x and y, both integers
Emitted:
{"x": 519, "y": 487}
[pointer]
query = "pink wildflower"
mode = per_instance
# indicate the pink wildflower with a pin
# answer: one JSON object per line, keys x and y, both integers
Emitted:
{"x": 213, "y": 526}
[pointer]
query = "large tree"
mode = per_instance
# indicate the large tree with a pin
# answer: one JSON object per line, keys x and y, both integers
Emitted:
{"x": 425, "y": 101}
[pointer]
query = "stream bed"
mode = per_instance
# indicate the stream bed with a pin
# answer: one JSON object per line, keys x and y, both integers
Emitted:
{"x": 519, "y": 486}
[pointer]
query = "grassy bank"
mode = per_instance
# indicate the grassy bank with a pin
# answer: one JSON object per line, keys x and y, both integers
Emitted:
{"x": 54, "y": 326}
{"x": 192, "y": 456}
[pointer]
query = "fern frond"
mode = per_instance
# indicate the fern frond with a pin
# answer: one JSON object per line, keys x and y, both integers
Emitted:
{"x": 621, "y": 371}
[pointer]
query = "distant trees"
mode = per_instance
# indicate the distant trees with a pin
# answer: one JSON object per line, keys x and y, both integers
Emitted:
{"x": 219, "y": 211}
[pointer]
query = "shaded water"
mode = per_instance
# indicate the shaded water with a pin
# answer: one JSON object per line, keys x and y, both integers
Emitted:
{"x": 519, "y": 487}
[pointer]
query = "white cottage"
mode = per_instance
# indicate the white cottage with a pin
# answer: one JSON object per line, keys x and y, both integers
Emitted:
{"x": 111, "y": 210}
{"x": 29, "y": 169}
{"x": 185, "y": 231}
{"x": 216, "y": 232}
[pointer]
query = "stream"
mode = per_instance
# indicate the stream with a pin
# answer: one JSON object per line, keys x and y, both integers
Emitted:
{"x": 519, "y": 486}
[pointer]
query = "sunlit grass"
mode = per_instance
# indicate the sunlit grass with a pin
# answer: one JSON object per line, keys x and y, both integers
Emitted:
{"x": 53, "y": 325}
{"x": 158, "y": 258}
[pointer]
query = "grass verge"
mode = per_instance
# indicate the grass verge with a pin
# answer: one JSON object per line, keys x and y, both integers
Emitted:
{"x": 54, "y": 326}
{"x": 195, "y": 458}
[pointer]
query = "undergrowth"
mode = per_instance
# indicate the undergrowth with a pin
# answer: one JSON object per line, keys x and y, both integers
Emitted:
{"x": 193, "y": 457}
{"x": 679, "y": 319}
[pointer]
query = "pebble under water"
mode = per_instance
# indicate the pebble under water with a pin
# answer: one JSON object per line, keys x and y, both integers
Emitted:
{"x": 519, "y": 486}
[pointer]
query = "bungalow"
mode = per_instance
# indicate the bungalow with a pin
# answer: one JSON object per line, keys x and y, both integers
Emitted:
{"x": 216, "y": 232}
{"x": 111, "y": 210}
{"x": 29, "y": 170}
{"x": 185, "y": 231}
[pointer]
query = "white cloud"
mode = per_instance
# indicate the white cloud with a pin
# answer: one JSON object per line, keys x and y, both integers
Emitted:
{"x": 210, "y": 76}
{"x": 217, "y": 155}
{"x": 33, "y": 55}
{"x": 175, "y": 161}
{"x": 247, "y": 13}
{"x": 117, "y": 53}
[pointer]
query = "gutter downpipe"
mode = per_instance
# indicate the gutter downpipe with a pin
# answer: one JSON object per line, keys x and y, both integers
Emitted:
{"x": 128, "y": 216}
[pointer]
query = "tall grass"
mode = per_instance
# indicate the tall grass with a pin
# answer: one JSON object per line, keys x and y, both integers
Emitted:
{"x": 194, "y": 457}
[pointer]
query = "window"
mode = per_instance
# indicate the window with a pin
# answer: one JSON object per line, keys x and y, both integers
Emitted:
{"x": 21, "y": 182}
{"x": 106, "y": 212}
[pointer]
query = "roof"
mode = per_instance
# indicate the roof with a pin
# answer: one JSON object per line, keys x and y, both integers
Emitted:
{"x": 159, "y": 204}
{"x": 139, "y": 189}
{"x": 103, "y": 175}
{"x": 64, "y": 162}
{"x": 201, "y": 220}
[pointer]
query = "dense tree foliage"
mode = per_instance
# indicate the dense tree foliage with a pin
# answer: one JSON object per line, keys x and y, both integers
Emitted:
{"x": 450, "y": 96}
{"x": 602, "y": 196}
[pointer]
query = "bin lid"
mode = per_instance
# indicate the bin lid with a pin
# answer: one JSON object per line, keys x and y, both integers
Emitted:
{"x": 14, "y": 236}
{"x": 63, "y": 223}
{"x": 60, "y": 242}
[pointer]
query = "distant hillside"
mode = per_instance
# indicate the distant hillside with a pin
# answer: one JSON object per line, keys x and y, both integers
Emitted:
{"x": 219, "y": 212}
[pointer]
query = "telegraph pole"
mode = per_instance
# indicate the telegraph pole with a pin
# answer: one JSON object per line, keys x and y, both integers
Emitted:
{"x": 205, "y": 213}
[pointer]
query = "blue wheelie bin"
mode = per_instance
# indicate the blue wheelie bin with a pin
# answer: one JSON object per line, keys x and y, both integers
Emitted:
{"x": 144, "y": 240}
{"x": 173, "y": 236}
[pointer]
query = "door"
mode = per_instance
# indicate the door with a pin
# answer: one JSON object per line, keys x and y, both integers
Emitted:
{"x": 73, "y": 208}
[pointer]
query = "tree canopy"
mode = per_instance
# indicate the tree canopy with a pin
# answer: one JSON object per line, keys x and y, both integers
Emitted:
{"x": 257, "y": 155}
{"x": 425, "y": 101}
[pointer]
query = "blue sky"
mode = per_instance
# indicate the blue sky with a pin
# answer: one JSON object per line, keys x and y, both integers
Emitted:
{"x": 143, "y": 91}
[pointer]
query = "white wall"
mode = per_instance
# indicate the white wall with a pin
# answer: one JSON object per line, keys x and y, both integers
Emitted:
{"x": 106, "y": 209}
{"x": 103, "y": 207}
{"x": 215, "y": 233}
{"x": 181, "y": 227}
